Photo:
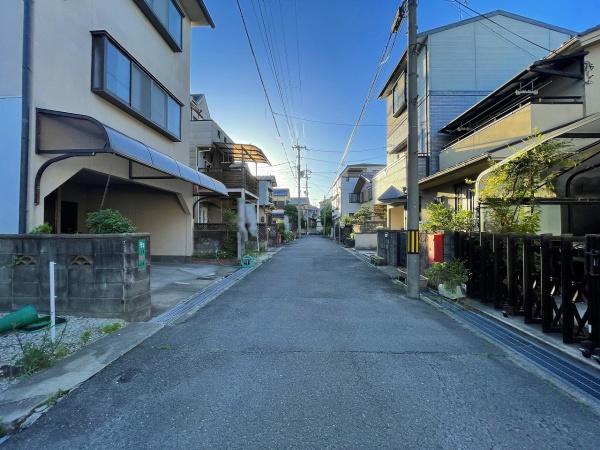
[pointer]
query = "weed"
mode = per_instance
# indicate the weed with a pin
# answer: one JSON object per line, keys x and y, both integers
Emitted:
{"x": 3, "y": 431}
{"x": 38, "y": 356}
{"x": 111, "y": 327}
{"x": 54, "y": 398}
{"x": 164, "y": 347}
{"x": 86, "y": 336}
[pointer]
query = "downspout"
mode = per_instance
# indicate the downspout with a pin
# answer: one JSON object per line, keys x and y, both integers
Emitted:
{"x": 25, "y": 112}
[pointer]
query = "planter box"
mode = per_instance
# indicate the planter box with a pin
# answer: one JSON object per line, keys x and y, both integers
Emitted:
{"x": 422, "y": 280}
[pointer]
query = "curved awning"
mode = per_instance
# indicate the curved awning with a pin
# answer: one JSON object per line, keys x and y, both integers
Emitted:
{"x": 70, "y": 134}
{"x": 244, "y": 152}
{"x": 392, "y": 195}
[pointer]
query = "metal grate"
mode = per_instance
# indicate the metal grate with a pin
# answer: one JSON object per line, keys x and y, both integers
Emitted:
{"x": 196, "y": 302}
{"x": 580, "y": 378}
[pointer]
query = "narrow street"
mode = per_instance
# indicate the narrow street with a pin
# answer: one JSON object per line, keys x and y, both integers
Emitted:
{"x": 315, "y": 349}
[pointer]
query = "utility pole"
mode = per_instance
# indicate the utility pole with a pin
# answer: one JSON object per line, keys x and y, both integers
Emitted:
{"x": 299, "y": 178}
{"x": 306, "y": 175}
{"x": 412, "y": 164}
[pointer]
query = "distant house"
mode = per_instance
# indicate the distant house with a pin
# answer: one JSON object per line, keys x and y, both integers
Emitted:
{"x": 351, "y": 189}
{"x": 281, "y": 197}
{"x": 266, "y": 183}
{"x": 214, "y": 153}
{"x": 557, "y": 95}
{"x": 458, "y": 65}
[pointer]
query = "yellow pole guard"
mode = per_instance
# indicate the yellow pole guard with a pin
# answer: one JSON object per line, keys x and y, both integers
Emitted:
{"x": 412, "y": 241}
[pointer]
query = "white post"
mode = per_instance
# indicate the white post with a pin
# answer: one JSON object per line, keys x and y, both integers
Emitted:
{"x": 52, "y": 303}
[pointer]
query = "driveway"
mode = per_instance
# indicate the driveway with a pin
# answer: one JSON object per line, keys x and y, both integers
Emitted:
{"x": 315, "y": 349}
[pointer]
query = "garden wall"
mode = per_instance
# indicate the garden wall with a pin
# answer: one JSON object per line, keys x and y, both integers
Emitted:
{"x": 96, "y": 275}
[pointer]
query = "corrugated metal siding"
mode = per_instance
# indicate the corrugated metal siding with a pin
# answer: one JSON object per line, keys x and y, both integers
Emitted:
{"x": 445, "y": 106}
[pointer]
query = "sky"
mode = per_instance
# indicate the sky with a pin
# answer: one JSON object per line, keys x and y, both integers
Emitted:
{"x": 325, "y": 54}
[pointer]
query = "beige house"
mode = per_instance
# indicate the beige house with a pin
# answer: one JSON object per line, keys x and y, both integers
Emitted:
{"x": 103, "y": 115}
{"x": 457, "y": 65}
{"x": 556, "y": 95}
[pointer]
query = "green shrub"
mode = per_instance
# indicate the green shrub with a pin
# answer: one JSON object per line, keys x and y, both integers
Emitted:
{"x": 44, "y": 228}
{"x": 450, "y": 273}
{"x": 108, "y": 221}
{"x": 111, "y": 328}
{"x": 442, "y": 218}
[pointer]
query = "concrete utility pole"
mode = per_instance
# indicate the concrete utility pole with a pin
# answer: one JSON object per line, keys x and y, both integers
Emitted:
{"x": 412, "y": 164}
{"x": 299, "y": 178}
{"x": 306, "y": 175}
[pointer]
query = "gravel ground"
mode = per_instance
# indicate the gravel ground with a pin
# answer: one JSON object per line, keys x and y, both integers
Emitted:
{"x": 69, "y": 334}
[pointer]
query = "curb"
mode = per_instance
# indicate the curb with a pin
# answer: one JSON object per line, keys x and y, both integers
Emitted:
{"x": 23, "y": 403}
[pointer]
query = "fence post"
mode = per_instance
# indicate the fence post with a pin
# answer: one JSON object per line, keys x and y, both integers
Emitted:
{"x": 483, "y": 279}
{"x": 566, "y": 278}
{"x": 545, "y": 283}
{"x": 511, "y": 281}
{"x": 527, "y": 287}
{"x": 497, "y": 253}
{"x": 592, "y": 274}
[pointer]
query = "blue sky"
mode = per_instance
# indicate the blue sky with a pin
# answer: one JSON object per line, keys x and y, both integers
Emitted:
{"x": 325, "y": 52}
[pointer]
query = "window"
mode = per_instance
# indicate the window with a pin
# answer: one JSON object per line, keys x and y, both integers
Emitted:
{"x": 354, "y": 198}
{"x": 167, "y": 18}
{"x": 117, "y": 72}
{"x": 118, "y": 78}
{"x": 399, "y": 96}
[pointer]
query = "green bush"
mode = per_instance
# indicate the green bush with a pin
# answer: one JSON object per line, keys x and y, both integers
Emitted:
{"x": 450, "y": 273}
{"x": 442, "y": 218}
{"x": 44, "y": 228}
{"x": 108, "y": 221}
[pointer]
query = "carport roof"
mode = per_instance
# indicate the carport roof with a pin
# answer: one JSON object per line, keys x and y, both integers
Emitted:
{"x": 70, "y": 134}
{"x": 244, "y": 152}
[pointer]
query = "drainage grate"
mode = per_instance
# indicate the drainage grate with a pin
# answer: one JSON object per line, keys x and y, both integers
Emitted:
{"x": 579, "y": 377}
{"x": 206, "y": 296}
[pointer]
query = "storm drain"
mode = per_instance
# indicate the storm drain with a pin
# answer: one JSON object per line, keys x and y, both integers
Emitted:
{"x": 579, "y": 377}
{"x": 198, "y": 301}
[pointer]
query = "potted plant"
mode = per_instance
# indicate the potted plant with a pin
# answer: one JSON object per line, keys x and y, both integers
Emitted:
{"x": 449, "y": 277}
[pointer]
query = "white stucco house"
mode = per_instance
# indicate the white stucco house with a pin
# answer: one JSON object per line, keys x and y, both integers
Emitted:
{"x": 101, "y": 120}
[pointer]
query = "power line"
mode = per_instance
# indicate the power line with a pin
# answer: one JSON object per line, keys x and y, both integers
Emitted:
{"x": 389, "y": 45}
{"x": 344, "y": 124}
{"x": 503, "y": 27}
{"x": 262, "y": 82}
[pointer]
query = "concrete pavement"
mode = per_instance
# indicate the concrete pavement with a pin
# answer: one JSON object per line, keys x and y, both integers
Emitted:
{"x": 315, "y": 349}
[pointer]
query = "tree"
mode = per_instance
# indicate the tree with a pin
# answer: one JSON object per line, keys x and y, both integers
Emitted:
{"x": 363, "y": 215}
{"x": 512, "y": 189}
{"x": 292, "y": 212}
{"x": 108, "y": 221}
{"x": 442, "y": 218}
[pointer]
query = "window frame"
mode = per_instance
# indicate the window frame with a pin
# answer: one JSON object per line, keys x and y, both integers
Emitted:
{"x": 98, "y": 84}
{"x": 398, "y": 109}
{"x": 161, "y": 28}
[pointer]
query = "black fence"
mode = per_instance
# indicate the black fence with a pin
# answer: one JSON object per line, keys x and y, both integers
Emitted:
{"x": 550, "y": 280}
{"x": 391, "y": 245}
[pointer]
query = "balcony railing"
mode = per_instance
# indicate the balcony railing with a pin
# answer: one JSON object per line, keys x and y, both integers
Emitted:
{"x": 234, "y": 178}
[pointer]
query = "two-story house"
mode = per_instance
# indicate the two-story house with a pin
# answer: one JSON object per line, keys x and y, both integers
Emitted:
{"x": 91, "y": 116}
{"x": 350, "y": 189}
{"x": 556, "y": 95}
{"x": 266, "y": 183}
{"x": 213, "y": 152}
{"x": 457, "y": 65}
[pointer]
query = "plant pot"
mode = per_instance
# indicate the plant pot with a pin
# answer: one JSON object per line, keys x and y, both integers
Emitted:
{"x": 459, "y": 292}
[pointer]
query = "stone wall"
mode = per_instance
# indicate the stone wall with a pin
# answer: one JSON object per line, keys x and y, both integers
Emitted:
{"x": 95, "y": 275}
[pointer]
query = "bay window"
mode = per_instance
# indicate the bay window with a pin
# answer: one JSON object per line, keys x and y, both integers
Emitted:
{"x": 120, "y": 79}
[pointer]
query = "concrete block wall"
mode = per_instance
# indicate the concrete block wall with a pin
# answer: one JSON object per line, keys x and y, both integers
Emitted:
{"x": 95, "y": 275}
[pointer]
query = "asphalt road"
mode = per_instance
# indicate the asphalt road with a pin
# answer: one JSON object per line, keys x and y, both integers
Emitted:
{"x": 315, "y": 349}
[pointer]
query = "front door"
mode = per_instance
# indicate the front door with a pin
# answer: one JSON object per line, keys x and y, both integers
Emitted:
{"x": 68, "y": 217}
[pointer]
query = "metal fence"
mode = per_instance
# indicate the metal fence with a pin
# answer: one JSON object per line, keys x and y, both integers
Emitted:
{"x": 550, "y": 280}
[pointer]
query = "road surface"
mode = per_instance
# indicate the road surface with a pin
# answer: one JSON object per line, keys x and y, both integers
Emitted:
{"x": 315, "y": 349}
